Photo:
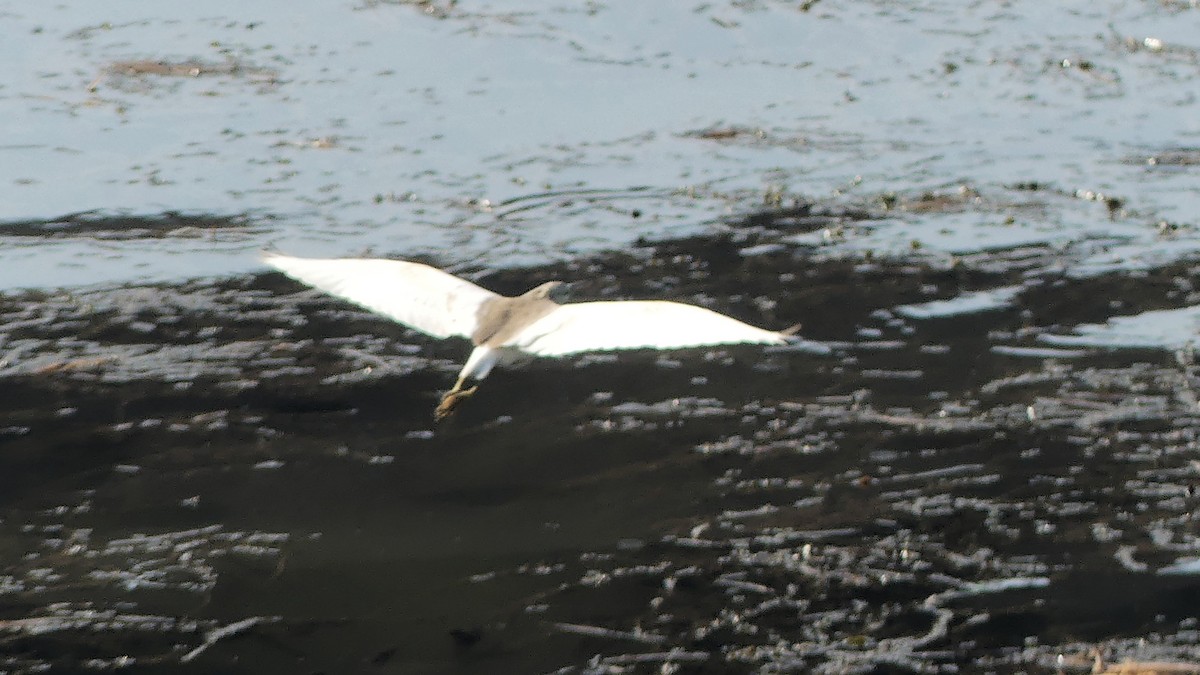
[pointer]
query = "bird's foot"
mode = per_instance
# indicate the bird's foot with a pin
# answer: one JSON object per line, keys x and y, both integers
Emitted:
{"x": 451, "y": 400}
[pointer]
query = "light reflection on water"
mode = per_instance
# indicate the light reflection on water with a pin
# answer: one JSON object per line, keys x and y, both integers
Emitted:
{"x": 382, "y": 128}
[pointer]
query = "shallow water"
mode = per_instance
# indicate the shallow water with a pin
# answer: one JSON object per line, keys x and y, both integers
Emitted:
{"x": 511, "y": 134}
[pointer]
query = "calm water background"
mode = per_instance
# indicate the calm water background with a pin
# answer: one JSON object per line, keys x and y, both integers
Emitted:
{"x": 433, "y": 128}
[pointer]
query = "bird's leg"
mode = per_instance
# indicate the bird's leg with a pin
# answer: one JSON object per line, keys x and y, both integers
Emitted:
{"x": 451, "y": 399}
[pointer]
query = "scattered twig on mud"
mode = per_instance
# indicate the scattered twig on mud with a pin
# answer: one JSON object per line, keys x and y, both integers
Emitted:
{"x": 74, "y": 364}
{"x": 217, "y": 634}
{"x": 655, "y": 657}
{"x": 601, "y": 632}
{"x": 1144, "y": 667}
{"x": 743, "y": 586}
{"x": 937, "y": 631}
{"x": 943, "y": 473}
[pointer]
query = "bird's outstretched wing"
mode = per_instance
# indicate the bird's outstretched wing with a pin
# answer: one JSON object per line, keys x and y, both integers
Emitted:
{"x": 641, "y": 324}
{"x": 419, "y": 296}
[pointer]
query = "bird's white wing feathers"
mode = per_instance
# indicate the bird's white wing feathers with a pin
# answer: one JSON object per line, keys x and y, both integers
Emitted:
{"x": 643, "y": 324}
{"x": 418, "y": 296}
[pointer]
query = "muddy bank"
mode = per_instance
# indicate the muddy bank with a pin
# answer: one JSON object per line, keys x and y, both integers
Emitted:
{"x": 243, "y": 475}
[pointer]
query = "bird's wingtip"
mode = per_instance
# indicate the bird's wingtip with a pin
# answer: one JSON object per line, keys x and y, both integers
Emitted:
{"x": 791, "y": 337}
{"x": 791, "y": 331}
{"x": 272, "y": 257}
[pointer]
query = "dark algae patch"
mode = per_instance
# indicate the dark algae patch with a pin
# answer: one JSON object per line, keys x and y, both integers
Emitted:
{"x": 243, "y": 475}
{"x": 105, "y": 227}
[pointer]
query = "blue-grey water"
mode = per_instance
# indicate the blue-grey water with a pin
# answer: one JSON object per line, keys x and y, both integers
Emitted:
{"x": 405, "y": 128}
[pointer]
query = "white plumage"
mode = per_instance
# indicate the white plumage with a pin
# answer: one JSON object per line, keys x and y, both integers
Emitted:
{"x": 419, "y": 296}
{"x": 506, "y": 329}
{"x": 634, "y": 324}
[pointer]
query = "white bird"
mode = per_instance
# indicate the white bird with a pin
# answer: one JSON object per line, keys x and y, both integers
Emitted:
{"x": 504, "y": 329}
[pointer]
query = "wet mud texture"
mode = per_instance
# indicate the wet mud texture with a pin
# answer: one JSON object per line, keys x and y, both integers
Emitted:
{"x": 244, "y": 476}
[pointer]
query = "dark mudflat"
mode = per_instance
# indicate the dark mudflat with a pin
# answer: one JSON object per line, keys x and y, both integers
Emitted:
{"x": 244, "y": 476}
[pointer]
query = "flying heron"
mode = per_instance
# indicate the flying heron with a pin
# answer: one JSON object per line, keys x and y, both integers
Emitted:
{"x": 504, "y": 329}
